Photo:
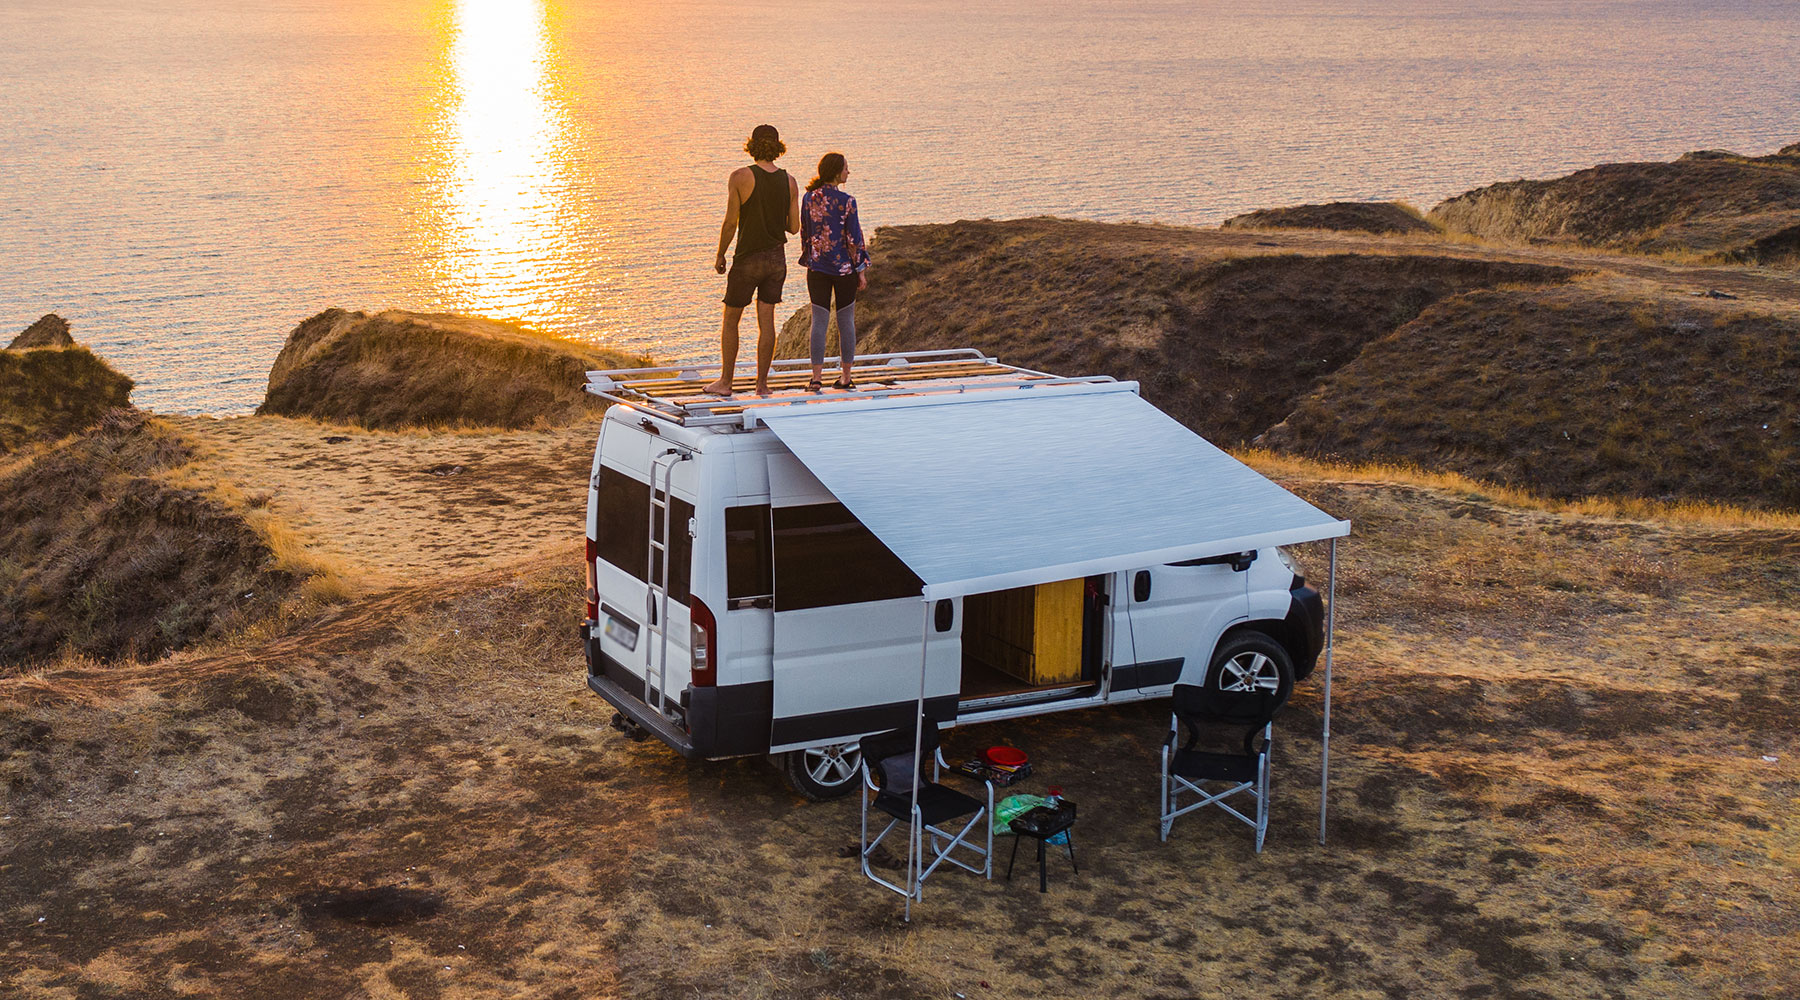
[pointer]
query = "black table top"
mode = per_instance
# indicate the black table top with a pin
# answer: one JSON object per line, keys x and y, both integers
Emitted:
{"x": 1045, "y": 821}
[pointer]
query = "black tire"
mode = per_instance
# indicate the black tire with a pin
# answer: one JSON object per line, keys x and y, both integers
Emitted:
{"x": 1252, "y": 659}
{"x": 812, "y": 772}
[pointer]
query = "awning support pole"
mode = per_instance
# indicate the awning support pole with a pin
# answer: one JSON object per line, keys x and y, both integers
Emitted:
{"x": 1325, "y": 732}
{"x": 915, "y": 857}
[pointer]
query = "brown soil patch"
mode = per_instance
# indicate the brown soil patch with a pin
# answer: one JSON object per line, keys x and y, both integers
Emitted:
{"x": 389, "y": 508}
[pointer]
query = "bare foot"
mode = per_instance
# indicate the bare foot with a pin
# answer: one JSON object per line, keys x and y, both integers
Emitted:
{"x": 718, "y": 388}
{"x": 762, "y": 388}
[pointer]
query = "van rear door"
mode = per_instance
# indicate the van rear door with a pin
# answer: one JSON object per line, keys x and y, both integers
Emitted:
{"x": 645, "y": 646}
{"x": 849, "y": 622}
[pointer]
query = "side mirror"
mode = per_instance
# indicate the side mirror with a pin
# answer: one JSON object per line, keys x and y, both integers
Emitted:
{"x": 1140, "y": 586}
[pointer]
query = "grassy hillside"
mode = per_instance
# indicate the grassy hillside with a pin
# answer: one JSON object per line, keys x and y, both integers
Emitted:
{"x": 48, "y": 392}
{"x": 1572, "y": 392}
{"x": 1227, "y": 344}
{"x": 1562, "y": 381}
{"x": 1348, "y": 216}
{"x": 400, "y": 369}
{"x": 1708, "y": 204}
{"x": 105, "y": 553}
{"x": 1565, "y": 768}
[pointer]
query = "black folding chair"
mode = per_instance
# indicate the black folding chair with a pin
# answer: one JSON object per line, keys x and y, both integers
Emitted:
{"x": 889, "y": 770}
{"x": 1219, "y": 715}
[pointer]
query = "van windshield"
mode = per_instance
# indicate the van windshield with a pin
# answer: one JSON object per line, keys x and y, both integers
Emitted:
{"x": 622, "y": 531}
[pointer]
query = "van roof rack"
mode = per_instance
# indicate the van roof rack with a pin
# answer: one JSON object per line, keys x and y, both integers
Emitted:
{"x": 674, "y": 393}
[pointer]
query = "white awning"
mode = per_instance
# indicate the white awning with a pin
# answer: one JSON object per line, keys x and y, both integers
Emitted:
{"x": 1037, "y": 485}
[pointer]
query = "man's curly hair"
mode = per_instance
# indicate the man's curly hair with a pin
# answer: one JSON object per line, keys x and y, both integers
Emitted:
{"x": 765, "y": 149}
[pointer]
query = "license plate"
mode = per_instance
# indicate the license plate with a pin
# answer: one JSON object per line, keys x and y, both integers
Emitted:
{"x": 621, "y": 633}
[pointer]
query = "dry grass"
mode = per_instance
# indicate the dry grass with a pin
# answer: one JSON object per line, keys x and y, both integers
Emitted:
{"x": 103, "y": 553}
{"x": 1690, "y": 512}
{"x": 51, "y": 392}
{"x": 400, "y": 369}
{"x": 1550, "y": 782}
{"x": 1702, "y": 208}
{"x": 1574, "y": 391}
{"x": 1380, "y": 217}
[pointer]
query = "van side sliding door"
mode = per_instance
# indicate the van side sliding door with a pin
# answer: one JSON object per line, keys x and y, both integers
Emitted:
{"x": 848, "y": 624}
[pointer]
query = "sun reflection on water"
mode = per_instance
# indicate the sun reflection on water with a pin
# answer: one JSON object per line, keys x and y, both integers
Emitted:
{"x": 506, "y": 135}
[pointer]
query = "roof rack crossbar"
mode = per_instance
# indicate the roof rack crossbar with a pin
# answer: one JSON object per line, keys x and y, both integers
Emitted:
{"x": 675, "y": 393}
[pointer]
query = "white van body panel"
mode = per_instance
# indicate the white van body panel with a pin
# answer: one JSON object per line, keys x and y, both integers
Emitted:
{"x": 814, "y": 663}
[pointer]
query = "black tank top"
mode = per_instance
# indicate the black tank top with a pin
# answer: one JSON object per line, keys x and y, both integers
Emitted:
{"x": 762, "y": 219}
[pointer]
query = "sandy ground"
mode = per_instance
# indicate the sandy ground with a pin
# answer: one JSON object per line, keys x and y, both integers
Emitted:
{"x": 1566, "y": 766}
{"x": 399, "y": 507}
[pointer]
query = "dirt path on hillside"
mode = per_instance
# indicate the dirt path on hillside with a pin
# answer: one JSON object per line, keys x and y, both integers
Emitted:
{"x": 394, "y": 508}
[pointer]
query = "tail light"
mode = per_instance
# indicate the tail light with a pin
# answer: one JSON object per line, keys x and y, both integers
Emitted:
{"x": 592, "y": 592}
{"x": 703, "y": 639}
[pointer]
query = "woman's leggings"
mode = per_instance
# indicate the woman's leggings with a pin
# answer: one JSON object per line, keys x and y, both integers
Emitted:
{"x": 820, "y": 288}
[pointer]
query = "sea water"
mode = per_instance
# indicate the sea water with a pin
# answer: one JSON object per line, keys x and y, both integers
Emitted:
{"x": 185, "y": 180}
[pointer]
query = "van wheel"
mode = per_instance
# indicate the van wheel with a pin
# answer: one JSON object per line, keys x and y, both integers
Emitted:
{"x": 1252, "y": 661}
{"x": 823, "y": 773}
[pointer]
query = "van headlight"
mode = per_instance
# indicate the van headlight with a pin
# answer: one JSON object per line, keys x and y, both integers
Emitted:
{"x": 1288, "y": 560}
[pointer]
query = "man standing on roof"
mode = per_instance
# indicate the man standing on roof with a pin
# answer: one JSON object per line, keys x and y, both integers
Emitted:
{"x": 762, "y": 205}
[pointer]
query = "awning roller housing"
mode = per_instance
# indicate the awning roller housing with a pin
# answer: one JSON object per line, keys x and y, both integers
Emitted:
{"x": 990, "y": 494}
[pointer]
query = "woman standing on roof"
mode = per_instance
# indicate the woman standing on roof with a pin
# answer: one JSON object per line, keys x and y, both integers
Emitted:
{"x": 836, "y": 261}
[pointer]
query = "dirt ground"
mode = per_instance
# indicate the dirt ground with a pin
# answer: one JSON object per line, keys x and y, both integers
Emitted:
{"x": 396, "y": 507}
{"x": 1565, "y": 765}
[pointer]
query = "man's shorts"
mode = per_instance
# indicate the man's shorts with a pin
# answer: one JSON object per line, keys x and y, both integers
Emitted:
{"x": 760, "y": 272}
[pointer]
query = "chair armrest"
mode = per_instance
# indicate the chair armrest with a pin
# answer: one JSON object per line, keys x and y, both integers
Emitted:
{"x": 868, "y": 777}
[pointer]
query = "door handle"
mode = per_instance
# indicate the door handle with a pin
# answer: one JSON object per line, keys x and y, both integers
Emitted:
{"x": 1140, "y": 586}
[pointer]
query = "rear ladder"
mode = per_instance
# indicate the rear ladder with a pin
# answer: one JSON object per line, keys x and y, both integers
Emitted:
{"x": 656, "y": 597}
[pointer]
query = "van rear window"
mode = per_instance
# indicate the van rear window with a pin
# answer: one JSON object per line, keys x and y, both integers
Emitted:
{"x": 824, "y": 556}
{"x": 622, "y": 530}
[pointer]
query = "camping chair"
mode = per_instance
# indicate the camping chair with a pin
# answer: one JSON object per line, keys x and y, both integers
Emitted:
{"x": 888, "y": 769}
{"x": 1183, "y": 770}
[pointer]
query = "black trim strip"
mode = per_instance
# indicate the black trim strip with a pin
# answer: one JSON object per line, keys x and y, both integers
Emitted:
{"x": 1153, "y": 673}
{"x": 849, "y": 723}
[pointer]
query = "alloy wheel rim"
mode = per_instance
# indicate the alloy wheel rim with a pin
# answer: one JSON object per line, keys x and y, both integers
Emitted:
{"x": 1249, "y": 671}
{"x": 833, "y": 765}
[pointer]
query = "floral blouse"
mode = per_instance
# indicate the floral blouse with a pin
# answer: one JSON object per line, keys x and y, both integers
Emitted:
{"x": 831, "y": 238}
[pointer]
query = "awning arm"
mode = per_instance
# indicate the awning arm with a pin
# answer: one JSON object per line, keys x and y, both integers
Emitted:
{"x": 1325, "y": 731}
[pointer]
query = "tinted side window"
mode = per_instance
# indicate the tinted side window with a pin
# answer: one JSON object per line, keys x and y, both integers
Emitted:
{"x": 824, "y": 556}
{"x": 622, "y": 523}
{"x": 748, "y": 572}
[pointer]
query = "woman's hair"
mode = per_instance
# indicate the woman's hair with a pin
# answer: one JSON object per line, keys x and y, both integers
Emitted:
{"x": 761, "y": 148}
{"x": 831, "y": 166}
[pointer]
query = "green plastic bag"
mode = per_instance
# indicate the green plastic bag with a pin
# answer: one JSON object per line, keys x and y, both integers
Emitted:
{"x": 1013, "y": 806}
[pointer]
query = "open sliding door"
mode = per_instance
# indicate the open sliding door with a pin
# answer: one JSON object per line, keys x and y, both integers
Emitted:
{"x": 849, "y": 623}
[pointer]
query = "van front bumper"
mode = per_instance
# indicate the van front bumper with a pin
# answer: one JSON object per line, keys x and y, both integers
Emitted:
{"x": 1306, "y": 625}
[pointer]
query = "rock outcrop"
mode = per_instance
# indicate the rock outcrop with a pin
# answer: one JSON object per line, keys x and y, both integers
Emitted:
{"x": 403, "y": 369}
{"x": 1379, "y": 217}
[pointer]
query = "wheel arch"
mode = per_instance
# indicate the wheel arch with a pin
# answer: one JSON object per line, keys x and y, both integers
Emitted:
{"x": 1288, "y": 632}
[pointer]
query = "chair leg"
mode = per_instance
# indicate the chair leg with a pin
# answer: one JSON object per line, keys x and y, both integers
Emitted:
{"x": 1070, "y": 844}
{"x": 1014, "y": 859}
{"x": 1043, "y": 869}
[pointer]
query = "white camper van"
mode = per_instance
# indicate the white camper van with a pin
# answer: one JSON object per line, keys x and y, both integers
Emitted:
{"x": 784, "y": 575}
